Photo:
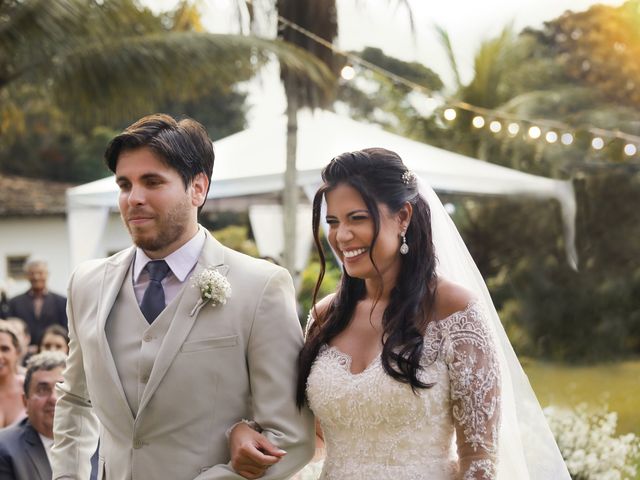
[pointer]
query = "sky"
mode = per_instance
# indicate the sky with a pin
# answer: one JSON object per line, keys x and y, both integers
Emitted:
{"x": 385, "y": 24}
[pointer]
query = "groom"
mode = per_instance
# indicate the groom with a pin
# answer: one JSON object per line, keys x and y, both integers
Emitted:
{"x": 163, "y": 370}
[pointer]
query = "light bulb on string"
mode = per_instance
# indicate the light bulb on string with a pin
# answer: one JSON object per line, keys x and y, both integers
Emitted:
{"x": 630, "y": 149}
{"x": 597, "y": 143}
{"x": 495, "y": 126}
{"x": 450, "y": 114}
{"x": 566, "y": 139}
{"x": 513, "y": 129}
{"x": 478, "y": 121}
{"x": 348, "y": 72}
{"x": 535, "y": 132}
{"x": 551, "y": 137}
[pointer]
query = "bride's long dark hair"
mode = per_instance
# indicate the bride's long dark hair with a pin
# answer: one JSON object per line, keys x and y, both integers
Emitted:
{"x": 381, "y": 178}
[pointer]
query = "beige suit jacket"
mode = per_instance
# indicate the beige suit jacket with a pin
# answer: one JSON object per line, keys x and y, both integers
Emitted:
{"x": 216, "y": 366}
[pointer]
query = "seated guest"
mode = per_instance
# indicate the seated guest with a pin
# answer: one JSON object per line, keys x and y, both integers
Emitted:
{"x": 38, "y": 306}
{"x": 55, "y": 338}
{"x": 11, "y": 405}
{"x": 24, "y": 448}
{"x": 24, "y": 338}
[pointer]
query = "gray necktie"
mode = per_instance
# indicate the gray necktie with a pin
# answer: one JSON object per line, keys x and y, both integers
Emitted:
{"x": 153, "y": 299}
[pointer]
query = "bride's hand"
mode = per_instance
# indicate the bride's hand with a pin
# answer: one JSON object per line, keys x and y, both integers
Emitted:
{"x": 251, "y": 453}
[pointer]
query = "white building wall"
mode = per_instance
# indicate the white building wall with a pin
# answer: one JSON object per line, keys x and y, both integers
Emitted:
{"x": 48, "y": 238}
{"x": 115, "y": 236}
{"x": 45, "y": 238}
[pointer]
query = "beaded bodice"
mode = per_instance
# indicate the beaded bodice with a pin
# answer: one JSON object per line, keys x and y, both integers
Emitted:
{"x": 377, "y": 427}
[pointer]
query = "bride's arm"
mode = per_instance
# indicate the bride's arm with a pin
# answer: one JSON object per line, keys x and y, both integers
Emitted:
{"x": 475, "y": 393}
{"x": 319, "y": 455}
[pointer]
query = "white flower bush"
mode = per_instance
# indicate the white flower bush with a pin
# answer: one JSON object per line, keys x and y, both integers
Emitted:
{"x": 589, "y": 446}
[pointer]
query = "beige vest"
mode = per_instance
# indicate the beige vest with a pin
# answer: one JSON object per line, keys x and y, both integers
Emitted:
{"x": 133, "y": 342}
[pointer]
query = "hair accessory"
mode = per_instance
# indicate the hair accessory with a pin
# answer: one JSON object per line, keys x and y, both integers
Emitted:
{"x": 408, "y": 177}
{"x": 404, "y": 248}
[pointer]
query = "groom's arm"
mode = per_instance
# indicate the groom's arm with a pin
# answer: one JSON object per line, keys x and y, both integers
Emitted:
{"x": 75, "y": 427}
{"x": 272, "y": 354}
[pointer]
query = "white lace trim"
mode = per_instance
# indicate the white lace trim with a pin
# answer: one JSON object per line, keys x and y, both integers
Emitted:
{"x": 375, "y": 424}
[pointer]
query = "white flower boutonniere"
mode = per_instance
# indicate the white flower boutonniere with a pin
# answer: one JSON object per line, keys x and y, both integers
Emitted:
{"x": 214, "y": 288}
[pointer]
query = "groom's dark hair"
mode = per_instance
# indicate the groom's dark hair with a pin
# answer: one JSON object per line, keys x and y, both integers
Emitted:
{"x": 184, "y": 145}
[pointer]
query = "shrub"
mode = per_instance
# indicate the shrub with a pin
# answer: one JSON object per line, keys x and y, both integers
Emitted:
{"x": 589, "y": 446}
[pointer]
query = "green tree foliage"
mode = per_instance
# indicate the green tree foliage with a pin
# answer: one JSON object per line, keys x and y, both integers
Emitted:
{"x": 549, "y": 309}
{"x": 376, "y": 97}
{"x": 70, "y": 66}
{"x": 115, "y": 59}
{"x": 237, "y": 237}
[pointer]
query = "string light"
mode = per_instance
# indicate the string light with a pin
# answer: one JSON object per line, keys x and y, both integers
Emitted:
{"x": 534, "y": 132}
{"x": 450, "y": 114}
{"x": 597, "y": 143}
{"x": 348, "y": 72}
{"x": 566, "y": 139}
{"x": 478, "y": 121}
{"x": 630, "y": 149}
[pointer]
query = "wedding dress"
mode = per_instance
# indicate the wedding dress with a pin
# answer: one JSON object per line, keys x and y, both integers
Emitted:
{"x": 376, "y": 427}
{"x": 480, "y": 420}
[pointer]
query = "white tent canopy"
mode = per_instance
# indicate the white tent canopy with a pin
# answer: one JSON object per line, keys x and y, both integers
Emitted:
{"x": 252, "y": 162}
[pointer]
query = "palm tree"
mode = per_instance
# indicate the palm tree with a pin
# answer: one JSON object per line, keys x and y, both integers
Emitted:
{"x": 105, "y": 60}
{"x": 320, "y": 18}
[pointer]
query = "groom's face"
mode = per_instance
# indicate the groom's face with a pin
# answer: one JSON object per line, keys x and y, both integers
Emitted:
{"x": 157, "y": 209}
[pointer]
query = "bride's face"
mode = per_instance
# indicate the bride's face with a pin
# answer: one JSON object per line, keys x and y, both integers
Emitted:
{"x": 351, "y": 228}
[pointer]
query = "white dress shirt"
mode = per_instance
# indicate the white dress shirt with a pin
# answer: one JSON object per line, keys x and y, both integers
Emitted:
{"x": 47, "y": 443}
{"x": 181, "y": 263}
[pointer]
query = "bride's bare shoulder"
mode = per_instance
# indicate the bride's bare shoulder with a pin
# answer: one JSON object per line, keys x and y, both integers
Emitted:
{"x": 450, "y": 298}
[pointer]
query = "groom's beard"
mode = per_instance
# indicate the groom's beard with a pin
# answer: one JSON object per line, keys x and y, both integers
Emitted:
{"x": 166, "y": 228}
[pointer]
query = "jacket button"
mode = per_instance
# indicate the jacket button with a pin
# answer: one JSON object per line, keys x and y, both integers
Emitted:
{"x": 144, "y": 378}
{"x": 147, "y": 337}
{"x": 137, "y": 443}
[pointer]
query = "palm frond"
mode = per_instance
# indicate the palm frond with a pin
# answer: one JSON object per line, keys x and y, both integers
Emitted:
{"x": 445, "y": 41}
{"x": 112, "y": 78}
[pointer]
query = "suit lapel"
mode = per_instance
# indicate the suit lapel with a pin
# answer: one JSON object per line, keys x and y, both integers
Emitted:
{"x": 113, "y": 279}
{"x": 36, "y": 452}
{"x": 212, "y": 255}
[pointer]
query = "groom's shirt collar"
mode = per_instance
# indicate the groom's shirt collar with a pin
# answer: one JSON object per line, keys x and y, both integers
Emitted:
{"x": 181, "y": 262}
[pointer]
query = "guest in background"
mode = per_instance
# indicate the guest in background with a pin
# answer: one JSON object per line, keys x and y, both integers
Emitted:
{"x": 24, "y": 337}
{"x": 24, "y": 448}
{"x": 4, "y": 304}
{"x": 11, "y": 405}
{"x": 38, "y": 306}
{"x": 55, "y": 338}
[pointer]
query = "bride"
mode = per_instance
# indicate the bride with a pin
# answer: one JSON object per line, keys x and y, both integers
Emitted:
{"x": 406, "y": 367}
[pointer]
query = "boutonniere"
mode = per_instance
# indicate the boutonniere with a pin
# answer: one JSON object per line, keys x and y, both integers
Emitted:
{"x": 214, "y": 288}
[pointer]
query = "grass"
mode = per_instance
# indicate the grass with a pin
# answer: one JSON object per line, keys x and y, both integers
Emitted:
{"x": 616, "y": 385}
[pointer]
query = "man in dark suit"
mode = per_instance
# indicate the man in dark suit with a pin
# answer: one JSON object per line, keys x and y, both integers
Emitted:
{"x": 24, "y": 447}
{"x": 38, "y": 307}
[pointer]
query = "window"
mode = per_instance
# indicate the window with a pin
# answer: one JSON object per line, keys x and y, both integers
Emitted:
{"x": 15, "y": 266}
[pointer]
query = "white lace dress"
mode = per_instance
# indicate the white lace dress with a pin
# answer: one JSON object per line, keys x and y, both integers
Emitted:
{"x": 376, "y": 428}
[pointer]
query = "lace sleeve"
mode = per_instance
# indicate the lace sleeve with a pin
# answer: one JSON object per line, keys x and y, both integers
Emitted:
{"x": 475, "y": 393}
